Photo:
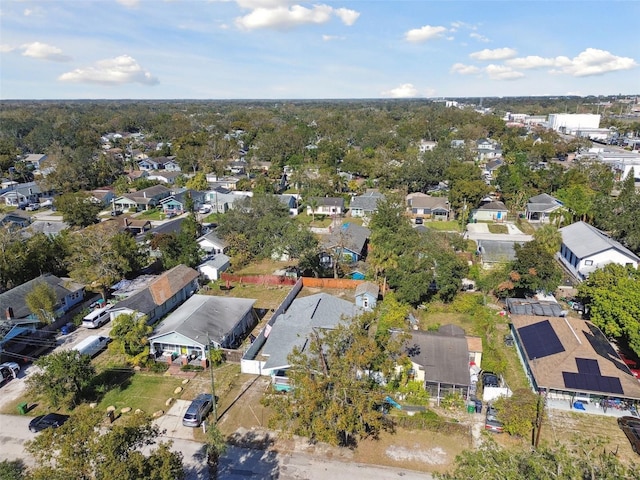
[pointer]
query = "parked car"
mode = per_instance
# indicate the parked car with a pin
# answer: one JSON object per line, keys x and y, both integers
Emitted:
{"x": 490, "y": 380}
{"x": 8, "y": 370}
{"x": 419, "y": 220}
{"x": 491, "y": 422}
{"x": 50, "y": 420}
{"x": 67, "y": 328}
{"x": 631, "y": 428}
{"x": 198, "y": 410}
{"x": 32, "y": 206}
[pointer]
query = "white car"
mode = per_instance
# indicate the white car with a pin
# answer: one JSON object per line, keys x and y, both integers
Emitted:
{"x": 205, "y": 209}
{"x": 8, "y": 370}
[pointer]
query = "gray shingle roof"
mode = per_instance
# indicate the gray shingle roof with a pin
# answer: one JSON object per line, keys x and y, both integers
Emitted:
{"x": 494, "y": 205}
{"x": 585, "y": 240}
{"x": 293, "y": 328}
{"x": 367, "y": 202}
{"x": 15, "y": 298}
{"x": 351, "y": 235}
{"x": 542, "y": 203}
{"x": 445, "y": 358}
{"x": 368, "y": 287}
{"x": 495, "y": 251}
{"x": 202, "y": 314}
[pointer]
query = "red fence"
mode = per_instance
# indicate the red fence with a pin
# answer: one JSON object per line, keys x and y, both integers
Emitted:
{"x": 258, "y": 279}
{"x": 339, "y": 283}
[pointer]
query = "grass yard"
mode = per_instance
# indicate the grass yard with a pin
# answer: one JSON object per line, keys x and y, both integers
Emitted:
{"x": 493, "y": 228}
{"x": 146, "y": 391}
{"x": 154, "y": 214}
{"x": 448, "y": 226}
{"x": 266, "y": 296}
{"x": 320, "y": 221}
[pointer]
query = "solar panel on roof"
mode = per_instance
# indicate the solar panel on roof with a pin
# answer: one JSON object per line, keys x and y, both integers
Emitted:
{"x": 594, "y": 383}
{"x": 540, "y": 340}
{"x": 588, "y": 366}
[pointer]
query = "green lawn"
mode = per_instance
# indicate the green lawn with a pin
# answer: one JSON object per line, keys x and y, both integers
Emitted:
{"x": 320, "y": 221}
{"x": 154, "y": 214}
{"x": 448, "y": 226}
{"x": 493, "y": 228}
{"x": 146, "y": 391}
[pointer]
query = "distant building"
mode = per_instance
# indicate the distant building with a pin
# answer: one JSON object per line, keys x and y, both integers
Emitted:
{"x": 570, "y": 122}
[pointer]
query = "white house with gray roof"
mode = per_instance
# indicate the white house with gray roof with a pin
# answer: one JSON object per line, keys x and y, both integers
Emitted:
{"x": 540, "y": 208}
{"x": 203, "y": 321}
{"x": 295, "y": 327}
{"x": 584, "y": 249}
{"x": 366, "y": 204}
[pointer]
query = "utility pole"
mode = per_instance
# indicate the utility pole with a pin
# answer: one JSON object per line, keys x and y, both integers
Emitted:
{"x": 213, "y": 386}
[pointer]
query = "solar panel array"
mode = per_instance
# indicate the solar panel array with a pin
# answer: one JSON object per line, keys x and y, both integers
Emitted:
{"x": 588, "y": 366}
{"x": 540, "y": 340}
{"x": 594, "y": 383}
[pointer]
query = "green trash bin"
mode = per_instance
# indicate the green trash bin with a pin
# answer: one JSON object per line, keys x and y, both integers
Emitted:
{"x": 22, "y": 408}
{"x": 471, "y": 408}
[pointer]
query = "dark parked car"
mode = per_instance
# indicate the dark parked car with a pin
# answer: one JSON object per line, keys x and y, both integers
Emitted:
{"x": 490, "y": 380}
{"x": 67, "y": 328}
{"x": 631, "y": 428}
{"x": 491, "y": 422}
{"x": 50, "y": 420}
{"x": 198, "y": 410}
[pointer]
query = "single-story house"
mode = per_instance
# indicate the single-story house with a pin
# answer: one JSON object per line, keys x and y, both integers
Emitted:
{"x": 440, "y": 360}
{"x": 496, "y": 252}
{"x": 164, "y": 176}
{"x": 17, "y": 195}
{"x": 211, "y": 243}
{"x": 68, "y": 294}
{"x": 159, "y": 163}
{"x": 325, "y": 206}
{"x": 291, "y": 202}
{"x": 213, "y": 267}
{"x": 135, "y": 226}
{"x": 36, "y": 160}
{"x": 428, "y": 207}
{"x": 102, "y": 196}
{"x": 367, "y": 295}
{"x": 573, "y": 362}
{"x": 350, "y": 241}
{"x": 15, "y": 220}
{"x": 494, "y": 211}
{"x": 162, "y": 295}
{"x": 365, "y": 205}
{"x": 540, "y": 208}
{"x": 176, "y": 204}
{"x": 144, "y": 199}
{"x": 295, "y": 327}
{"x": 584, "y": 249}
{"x": 202, "y": 322}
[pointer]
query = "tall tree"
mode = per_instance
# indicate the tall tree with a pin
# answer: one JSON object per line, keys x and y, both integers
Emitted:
{"x": 83, "y": 449}
{"x": 77, "y": 209}
{"x": 42, "y": 302}
{"x": 62, "y": 378}
{"x": 335, "y": 396}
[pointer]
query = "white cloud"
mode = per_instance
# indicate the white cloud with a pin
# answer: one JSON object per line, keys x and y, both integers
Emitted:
{"x": 112, "y": 71}
{"x": 406, "y": 90}
{"x": 253, "y": 4}
{"x": 591, "y": 61}
{"x": 533, "y": 61}
{"x": 43, "y": 51}
{"x": 480, "y": 38}
{"x": 347, "y": 16}
{"x": 27, "y": 12}
{"x": 596, "y": 62}
{"x": 463, "y": 69}
{"x": 495, "y": 54}
{"x": 502, "y": 72}
{"x": 285, "y": 18}
{"x": 6, "y": 48}
{"x": 129, "y": 3}
{"x": 418, "y": 35}
{"x": 329, "y": 38}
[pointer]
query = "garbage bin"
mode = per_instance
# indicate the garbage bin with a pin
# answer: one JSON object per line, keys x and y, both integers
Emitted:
{"x": 478, "y": 406}
{"x": 22, "y": 408}
{"x": 471, "y": 408}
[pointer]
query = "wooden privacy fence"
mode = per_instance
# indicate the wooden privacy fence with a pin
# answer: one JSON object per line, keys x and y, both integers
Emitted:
{"x": 258, "y": 279}
{"x": 340, "y": 283}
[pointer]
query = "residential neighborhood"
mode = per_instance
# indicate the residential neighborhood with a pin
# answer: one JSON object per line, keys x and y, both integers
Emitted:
{"x": 380, "y": 296}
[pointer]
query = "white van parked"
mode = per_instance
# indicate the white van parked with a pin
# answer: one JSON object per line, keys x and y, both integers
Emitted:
{"x": 96, "y": 318}
{"x": 92, "y": 345}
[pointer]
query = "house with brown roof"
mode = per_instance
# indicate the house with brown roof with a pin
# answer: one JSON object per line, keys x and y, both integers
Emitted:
{"x": 162, "y": 295}
{"x": 428, "y": 207}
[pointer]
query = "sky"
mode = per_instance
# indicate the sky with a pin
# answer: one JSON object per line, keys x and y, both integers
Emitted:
{"x": 289, "y": 49}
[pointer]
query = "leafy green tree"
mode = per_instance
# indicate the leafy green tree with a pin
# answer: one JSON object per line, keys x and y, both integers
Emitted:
{"x": 585, "y": 458}
{"x": 578, "y": 199}
{"x": 198, "y": 182}
{"x": 130, "y": 335}
{"x": 77, "y": 209}
{"x": 334, "y": 397}
{"x": 549, "y": 238}
{"x": 63, "y": 377}
{"x": 12, "y": 470}
{"x": 392, "y": 314}
{"x": 518, "y": 412}
{"x": 612, "y": 297}
{"x": 94, "y": 260}
{"x": 83, "y": 449}
{"x": 41, "y": 301}
{"x": 534, "y": 270}
{"x": 215, "y": 446}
